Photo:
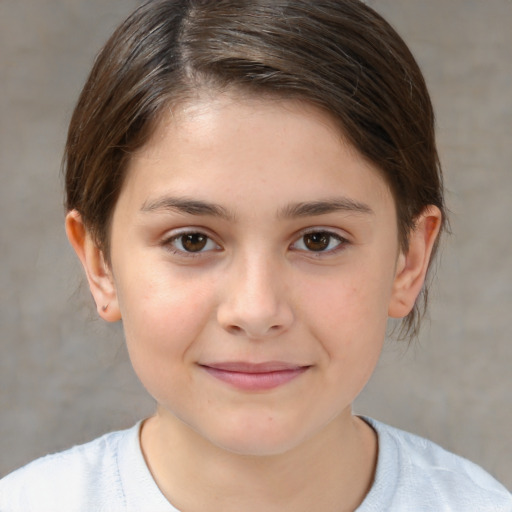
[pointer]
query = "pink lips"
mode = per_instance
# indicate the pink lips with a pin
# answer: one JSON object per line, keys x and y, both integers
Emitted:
{"x": 254, "y": 377}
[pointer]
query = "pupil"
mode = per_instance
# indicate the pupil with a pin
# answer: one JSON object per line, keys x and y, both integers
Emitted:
{"x": 194, "y": 242}
{"x": 317, "y": 241}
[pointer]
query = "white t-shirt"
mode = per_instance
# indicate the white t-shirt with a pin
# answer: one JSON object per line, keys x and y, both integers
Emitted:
{"x": 109, "y": 474}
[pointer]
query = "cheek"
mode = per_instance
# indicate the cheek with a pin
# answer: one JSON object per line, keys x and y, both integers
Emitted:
{"x": 351, "y": 304}
{"x": 348, "y": 315}
{"x": 163, "y": 317}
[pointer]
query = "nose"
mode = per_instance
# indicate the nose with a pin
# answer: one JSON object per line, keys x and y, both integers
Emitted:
{"x": 255, "y": 301}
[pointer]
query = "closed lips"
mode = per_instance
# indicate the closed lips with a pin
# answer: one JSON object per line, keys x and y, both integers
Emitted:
{"x": 255, "y": 377}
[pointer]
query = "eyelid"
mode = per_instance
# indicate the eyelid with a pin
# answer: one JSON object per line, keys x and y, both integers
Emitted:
{"x": 169, "y": 238}
{"x": 334, "y": 233}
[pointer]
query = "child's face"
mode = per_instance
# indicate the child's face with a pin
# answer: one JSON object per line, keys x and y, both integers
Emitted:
{"x": 270, "y": 325}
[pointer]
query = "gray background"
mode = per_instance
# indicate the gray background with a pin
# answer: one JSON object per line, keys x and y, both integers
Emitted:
{"x": 65, "y": 377}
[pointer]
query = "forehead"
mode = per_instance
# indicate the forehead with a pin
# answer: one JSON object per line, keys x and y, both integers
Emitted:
{"x": 269, "y": 148}
{"x": 233, "y": 111}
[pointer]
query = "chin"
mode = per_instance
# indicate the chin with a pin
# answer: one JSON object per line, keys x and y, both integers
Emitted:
{"x": 260, "y": 438}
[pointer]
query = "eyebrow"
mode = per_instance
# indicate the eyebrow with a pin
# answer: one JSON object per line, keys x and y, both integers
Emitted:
{"x": 314, "y": 208}
{"x": 187, "y": 206}
{"x": 198, "y": 207}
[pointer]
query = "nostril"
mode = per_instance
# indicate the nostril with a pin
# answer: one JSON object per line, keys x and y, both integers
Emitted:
{"x": 235, "y": 329}
{"x": 238, "y": 330}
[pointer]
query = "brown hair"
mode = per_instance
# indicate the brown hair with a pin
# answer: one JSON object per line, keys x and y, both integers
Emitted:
{"x": 337, "y": 54}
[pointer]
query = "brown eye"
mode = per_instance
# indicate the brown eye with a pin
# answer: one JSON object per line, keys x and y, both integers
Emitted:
{"x": 320, "y": 242}
{"x": 193, "y": 242}
{"x": 317, "y": 241}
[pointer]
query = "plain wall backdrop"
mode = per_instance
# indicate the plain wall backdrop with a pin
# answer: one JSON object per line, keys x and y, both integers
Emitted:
{"x": 65, "y": 377}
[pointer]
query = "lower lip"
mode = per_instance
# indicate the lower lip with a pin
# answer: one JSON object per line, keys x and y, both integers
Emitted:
{"x": 255, "y": 381}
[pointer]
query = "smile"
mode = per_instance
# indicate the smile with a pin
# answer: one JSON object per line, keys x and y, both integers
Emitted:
{"x": 254, "y": 377}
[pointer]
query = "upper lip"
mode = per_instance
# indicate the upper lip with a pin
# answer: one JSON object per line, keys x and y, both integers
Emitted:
{"x": 246, "y": 367}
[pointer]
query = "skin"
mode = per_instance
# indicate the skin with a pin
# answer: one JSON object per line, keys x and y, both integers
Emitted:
{"x": 264, "y": 176}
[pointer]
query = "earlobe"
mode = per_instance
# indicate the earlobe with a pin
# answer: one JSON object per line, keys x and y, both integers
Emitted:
{"x": 412, "y": 267}
{"x": 99, "y": 275}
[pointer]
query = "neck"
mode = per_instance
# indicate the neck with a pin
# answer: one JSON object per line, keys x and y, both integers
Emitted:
{"x": 331, "y": 471}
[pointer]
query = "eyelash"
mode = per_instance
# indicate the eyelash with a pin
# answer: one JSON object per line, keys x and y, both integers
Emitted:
{"x": 169, "y": 244}
{"x": 325, "y": 234}
{"x": 330, "y": 235}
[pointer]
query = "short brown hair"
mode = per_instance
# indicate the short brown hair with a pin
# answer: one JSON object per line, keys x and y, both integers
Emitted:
{"x": 337, "y": 54}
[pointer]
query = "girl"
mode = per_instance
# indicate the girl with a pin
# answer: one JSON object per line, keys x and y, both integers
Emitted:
{"x": 254, "y": 189}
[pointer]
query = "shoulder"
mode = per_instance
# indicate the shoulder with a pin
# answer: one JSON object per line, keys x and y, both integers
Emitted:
{"x": 414, "y": 472}
{"x": 86, "y": 474}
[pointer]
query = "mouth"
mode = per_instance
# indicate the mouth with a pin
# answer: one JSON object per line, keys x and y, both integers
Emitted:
{"x": 254, "y": 376}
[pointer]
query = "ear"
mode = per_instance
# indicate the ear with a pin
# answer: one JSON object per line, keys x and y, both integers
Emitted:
{"x": 412, "y": 267}
{"x": 99, "y": 275}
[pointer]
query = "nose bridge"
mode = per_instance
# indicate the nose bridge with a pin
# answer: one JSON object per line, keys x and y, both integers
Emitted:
{"x": 255, "y": 301}
{"x": 258, "y": 285}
